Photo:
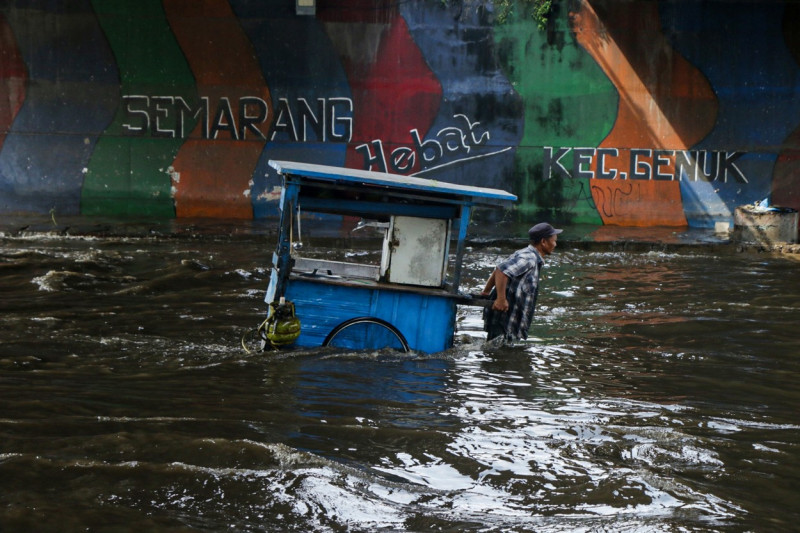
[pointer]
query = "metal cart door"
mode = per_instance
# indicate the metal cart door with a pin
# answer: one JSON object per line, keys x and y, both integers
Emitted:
{"x": 417, "y": 251}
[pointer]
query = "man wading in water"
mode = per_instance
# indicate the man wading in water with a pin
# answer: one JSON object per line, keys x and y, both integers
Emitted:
{"x": 515, "y": 282}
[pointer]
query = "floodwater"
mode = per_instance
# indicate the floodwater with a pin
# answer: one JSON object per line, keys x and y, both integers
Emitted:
{"x": 658, "y": 392}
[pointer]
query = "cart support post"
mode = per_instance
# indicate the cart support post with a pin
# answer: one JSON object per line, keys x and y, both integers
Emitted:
{"x": 289, "y": 197}
{"x": 463, "y": 224}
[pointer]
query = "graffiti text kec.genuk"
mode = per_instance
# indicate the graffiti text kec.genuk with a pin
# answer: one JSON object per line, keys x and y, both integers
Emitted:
{"x": 642, "y": 164}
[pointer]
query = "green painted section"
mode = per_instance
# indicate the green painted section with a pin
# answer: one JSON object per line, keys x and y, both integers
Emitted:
{"x": 568, "y": 101}
{"x": 129, "y": 175}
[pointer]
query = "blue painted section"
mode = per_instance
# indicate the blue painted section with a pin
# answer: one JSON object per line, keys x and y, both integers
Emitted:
{"x": 267, "y": 182}
{"x": 462, "y": 56}
{"x": 72, "y": 95}
{"x": 291, "y": 73}
{"x": 426, "y": 321}
{"x": 756, "y": 90}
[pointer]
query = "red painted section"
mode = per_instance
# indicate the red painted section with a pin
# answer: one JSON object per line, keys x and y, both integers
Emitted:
{"x": 664, "y": 103}
{"x": 13, "y": 78}
{"x": 393, "y": 89}
{"x": 213, "y": 176}
{"x": 357, "y": 11}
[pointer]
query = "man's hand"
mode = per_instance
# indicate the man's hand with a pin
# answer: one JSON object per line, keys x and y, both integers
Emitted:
{"x": 500, "y": 305}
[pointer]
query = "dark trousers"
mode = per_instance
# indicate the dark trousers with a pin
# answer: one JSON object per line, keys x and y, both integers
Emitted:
{"x": 494, "y": 322}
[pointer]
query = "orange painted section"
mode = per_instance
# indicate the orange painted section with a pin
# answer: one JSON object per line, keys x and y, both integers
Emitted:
{"x": 13, "y": 77}
{"x": 212, "y": 177}
{"x": 664, "y": 103}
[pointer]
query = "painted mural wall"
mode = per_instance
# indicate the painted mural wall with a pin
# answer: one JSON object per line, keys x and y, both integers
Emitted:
{"x": 633, "y": 112}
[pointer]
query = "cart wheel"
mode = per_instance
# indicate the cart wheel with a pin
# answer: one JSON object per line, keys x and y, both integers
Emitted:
{"x": 366, "y": 332}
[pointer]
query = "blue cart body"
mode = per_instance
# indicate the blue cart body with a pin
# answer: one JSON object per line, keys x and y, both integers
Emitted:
{"x": 426, "y": 321}
{"x": 413, "y": 293}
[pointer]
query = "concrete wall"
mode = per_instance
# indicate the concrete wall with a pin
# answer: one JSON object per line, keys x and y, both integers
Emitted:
{"x": 620, "y": 112}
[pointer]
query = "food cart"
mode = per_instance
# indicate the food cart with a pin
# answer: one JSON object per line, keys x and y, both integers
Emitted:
{"x": 409, "y": 300}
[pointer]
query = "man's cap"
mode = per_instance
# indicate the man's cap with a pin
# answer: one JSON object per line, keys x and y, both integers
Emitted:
{"x": 542, "y": 230}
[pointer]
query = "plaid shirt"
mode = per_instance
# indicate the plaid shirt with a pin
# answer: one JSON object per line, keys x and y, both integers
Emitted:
{"x": 522, "y": 268}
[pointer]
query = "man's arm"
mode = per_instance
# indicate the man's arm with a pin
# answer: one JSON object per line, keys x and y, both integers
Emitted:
{"x": 500, "y": 284}
{"x": 489, "y": 284}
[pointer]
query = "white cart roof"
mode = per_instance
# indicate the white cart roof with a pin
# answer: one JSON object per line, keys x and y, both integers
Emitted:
{"x": 394, "y": 182}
